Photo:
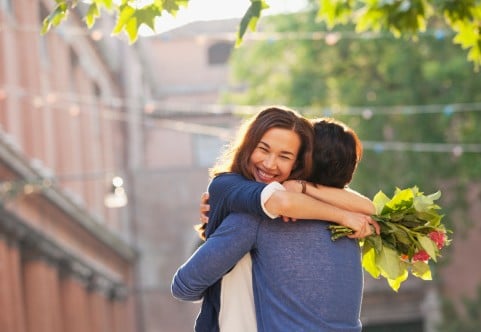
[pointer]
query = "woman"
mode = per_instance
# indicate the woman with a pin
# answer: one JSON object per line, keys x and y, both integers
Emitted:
{"x": 274, "y": 147}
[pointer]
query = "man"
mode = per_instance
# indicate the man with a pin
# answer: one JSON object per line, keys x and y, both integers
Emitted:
{"x": 302, "y": 280}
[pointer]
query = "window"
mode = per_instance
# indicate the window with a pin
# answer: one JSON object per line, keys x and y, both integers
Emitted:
{"x": 207, "y": 149}
{"x": 7, "y": 5}
{"x": 218, "y": 53}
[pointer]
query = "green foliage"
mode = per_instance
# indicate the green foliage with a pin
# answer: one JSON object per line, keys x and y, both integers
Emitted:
{"x": 384, "y": 75}
{"x": 130, "y": 17}
{"x": 407, "y": 18}
{"x": 250, "y": 19}
{"x": 411, "y": 235}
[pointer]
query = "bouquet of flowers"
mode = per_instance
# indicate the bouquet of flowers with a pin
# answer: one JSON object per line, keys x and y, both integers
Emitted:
{"x": 411, "y": 236}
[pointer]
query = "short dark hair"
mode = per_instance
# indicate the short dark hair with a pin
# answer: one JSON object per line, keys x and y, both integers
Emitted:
{"x": 337, "y": 152}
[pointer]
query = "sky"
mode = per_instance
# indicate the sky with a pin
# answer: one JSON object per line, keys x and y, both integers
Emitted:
{"x": 205, "y": 10}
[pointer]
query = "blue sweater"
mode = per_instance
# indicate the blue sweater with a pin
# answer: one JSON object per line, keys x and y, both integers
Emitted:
{"x": 228, "y": 192}
{"x": 302, "y": 280}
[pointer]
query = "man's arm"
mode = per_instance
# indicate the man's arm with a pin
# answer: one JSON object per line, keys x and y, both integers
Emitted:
{"x": 228, "y": 244}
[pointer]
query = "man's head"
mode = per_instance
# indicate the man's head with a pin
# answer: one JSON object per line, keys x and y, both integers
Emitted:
{"x": 337, "y": 151}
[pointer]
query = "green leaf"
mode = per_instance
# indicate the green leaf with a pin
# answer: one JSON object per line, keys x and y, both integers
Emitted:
{"x": 402, "y": 236}
{"x": 379, "y": 200}
{"x": 376, "y": 242}
{"x": 369, "y": 261}
{"x": 396, "y": 283}
{"x": 389, "y": 263}
{"x": 429, "y": 246}
{"x": 92, "y": 13}
{"x": 425, "y": 203}
{"x": 250, "y": 19}
{"x": 55, "y": 18}
{"x": 125, "y": 14}
{"x": 402, "y": 199}
{"x": 334, "y": 12}
{"x": 130, "y": 19}
{"x": 172, "y": 6}
{"x": 421, "y": 270}
{"x": 106, "y": 3}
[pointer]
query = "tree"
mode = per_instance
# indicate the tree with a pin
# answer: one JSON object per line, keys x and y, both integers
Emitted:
{"x": 390, "y": 92}
{"x": 405, "y": 18}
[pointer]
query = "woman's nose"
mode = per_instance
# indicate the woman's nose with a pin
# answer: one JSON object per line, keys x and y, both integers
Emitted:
{"x": 270, "y": 162}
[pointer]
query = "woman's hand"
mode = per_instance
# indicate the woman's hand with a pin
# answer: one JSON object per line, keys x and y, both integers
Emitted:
{"x": 362, "y": 225}
{"x": 294, "y": 186}
{"x": 204, "y": 208}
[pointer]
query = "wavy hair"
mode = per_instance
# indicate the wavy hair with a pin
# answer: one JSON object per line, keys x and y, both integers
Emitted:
{"x": 237, "y": 155}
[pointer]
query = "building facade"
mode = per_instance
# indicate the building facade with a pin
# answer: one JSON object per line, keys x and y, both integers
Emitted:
{"x": 67, "y": 262}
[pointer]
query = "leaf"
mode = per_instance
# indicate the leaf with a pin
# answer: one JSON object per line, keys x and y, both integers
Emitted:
{"x": 125, "y": 14}
{"x": 376, "y": 242}
{"x": 402, "y": 199}
{"x": 334, "y": 12}
{"x": 92, "y": 13}
{"x": 250, "y": 18}
{"x": 379, "y": 200}
{"x": 369, "y": 261}
{"x": 402, "y": 236}
{"x": 172, "y": 6}
{"x": 55, "y": 18}
{"x": 130, "y": 19}
{"x": 396, "y": 283}
{"x": 429, "y": 246}
{"x": 389, "y": 263}
{"x": 421, "y": 270}
{"x": 425, "y": 203}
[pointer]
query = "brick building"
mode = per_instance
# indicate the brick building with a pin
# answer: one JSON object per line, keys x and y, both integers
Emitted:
{"x": 66, "y": 260}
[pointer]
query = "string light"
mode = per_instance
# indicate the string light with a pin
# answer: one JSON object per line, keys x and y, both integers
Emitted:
{"x": 54, "y": 99}
{"x": 151, "y": 106}
{"x": 330, "y": 38}
{"x": 159, "y": 119}
{"x": 115, "y": 197}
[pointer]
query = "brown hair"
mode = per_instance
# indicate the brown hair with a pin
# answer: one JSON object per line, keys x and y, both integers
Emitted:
{"x": 337, "y": 152}
{"x": 236, "y": 158}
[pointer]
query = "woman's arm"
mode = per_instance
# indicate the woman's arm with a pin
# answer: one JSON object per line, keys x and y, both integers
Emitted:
{"x": 301, "y": 206}
{"x": 233, "y": 193}
{"x": 346, "y": 199}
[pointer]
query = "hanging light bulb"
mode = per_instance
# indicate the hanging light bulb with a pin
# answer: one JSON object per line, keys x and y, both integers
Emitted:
{"x": 116, "y": 197}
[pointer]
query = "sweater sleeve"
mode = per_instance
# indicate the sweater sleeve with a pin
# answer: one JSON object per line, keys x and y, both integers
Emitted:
{"x": 215, "y": 257}
{"x": 231, "y": 192}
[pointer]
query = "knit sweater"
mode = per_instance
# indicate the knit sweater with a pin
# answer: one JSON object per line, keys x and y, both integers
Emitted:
{"x": 302, "y": 280}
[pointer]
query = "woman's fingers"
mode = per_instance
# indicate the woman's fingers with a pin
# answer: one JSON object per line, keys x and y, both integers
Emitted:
{"x": 204, "y": 207}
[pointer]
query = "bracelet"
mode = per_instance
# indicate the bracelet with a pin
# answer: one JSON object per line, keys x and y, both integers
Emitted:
{"x": 303, "y": 184}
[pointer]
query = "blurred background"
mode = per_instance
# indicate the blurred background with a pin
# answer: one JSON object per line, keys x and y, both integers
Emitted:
{"x": 105, "y": 148}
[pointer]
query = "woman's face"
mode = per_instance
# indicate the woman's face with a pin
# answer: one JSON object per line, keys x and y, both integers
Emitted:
{"x": 275, "y": 155}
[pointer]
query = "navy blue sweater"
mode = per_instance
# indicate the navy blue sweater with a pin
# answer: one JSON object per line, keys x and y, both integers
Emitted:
{"x": 302, "y": 280}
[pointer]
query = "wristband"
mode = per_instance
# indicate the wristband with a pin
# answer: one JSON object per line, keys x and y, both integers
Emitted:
{"x": 303, "y": 184}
